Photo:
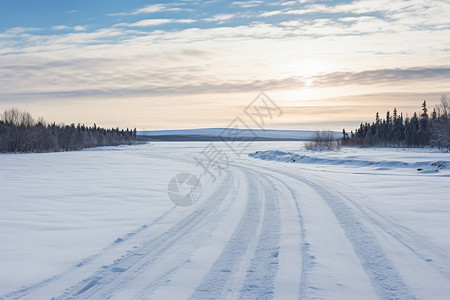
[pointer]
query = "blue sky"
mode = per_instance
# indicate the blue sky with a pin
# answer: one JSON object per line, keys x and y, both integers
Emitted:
{"x": 185, "y": 64}
{"x": 43, "y": 15}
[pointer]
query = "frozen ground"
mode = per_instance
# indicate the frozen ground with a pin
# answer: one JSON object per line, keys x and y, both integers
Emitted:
{"x": 96, "y": 224}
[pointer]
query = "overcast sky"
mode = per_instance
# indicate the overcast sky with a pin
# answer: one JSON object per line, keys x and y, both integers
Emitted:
{"x": 191, "y": 64}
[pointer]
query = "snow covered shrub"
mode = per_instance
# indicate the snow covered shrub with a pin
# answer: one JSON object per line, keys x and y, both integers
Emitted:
{"x": 323, "y": 141}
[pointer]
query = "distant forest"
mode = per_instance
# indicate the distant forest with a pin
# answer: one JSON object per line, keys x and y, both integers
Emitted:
{"x": 19, "y": 132}
{"x": 422, "y": 129}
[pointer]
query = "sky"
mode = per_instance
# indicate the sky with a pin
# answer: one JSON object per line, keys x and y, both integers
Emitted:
{"x": 197, "y": 64}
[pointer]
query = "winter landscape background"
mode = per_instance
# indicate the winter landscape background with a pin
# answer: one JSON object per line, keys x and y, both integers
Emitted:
{"x": 292, "y": 149}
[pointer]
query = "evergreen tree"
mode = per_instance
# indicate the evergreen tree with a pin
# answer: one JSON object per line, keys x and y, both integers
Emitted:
{"x": 434, "y": 114}
{"x": 420, "y": 130}
{"x": 423, "y": 134}
{"x": 344, "y": 135}
{"x": 19, "y": 132}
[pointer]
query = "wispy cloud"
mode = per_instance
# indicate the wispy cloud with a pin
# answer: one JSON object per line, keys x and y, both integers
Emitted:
{"x": 247, "y": 4}
{"x": 221, "y": 18}
{"x": 174, "y": 73}
{"x": 64, "y": 27}
{"x": 405, "y": 12}
{"x": 329, "y": 49}
{"x": 80, "y": 28}
{"x": 60, "y": 27}
{"x": 20, "y": 30}
{"x": 156, "y": 22}
{"x": 292, "y": 2}
{"x": 149, "y": 9}
{"x": 382, "y": 76}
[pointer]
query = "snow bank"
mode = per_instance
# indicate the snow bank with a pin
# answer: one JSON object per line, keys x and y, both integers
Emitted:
{"x": 333, "y": 158}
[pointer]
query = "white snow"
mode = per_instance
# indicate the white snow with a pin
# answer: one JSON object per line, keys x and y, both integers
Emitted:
{"x": 355, "y": 224}
{"x": 382, "y": 159}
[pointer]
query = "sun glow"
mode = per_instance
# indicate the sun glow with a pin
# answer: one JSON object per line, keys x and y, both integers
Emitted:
{"x": 303, "y": 94}
{"x": 311, "y": 67}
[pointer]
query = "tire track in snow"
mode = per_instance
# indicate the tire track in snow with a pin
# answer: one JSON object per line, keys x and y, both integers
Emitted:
{"x": 233, "y": 256}
{"x": 382, "y": 273}
{"x": 416, "y": 243}
{"x": 164, "y": 279}
{"x": 425, "y": 250}
{"x": 384, "y": 277}
{"x": 307, "y": 262}
{"x": 213, "y": 283}
{"x": 260, "y": 280}
{"x": 25, "y": 291}
{"x": 103, "y": 283}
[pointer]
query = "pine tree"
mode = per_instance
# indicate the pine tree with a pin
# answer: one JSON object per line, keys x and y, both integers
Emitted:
{"x": 434, "y": 114}
{"x": 423, "y": 133}
{"x": 414, "y": 130}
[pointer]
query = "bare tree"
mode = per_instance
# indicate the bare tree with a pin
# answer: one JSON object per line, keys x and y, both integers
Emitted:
{"x": 445, "y": 106}
{"x": 323, "y": 141}
{"x": 19, "y": 132}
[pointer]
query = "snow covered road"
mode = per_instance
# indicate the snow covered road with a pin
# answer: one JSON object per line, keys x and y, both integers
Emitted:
{"x": 262, "y": 230}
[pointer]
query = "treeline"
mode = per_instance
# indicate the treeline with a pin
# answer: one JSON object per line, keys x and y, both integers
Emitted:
{"x": 19, "y": 132}
{"x": 422, "y": 129}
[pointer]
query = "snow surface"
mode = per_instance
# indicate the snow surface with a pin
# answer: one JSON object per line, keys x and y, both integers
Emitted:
{"x": 355, "y": 224}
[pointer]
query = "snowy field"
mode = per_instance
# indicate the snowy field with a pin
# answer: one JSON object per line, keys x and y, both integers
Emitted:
{"x": 285, "y": 224}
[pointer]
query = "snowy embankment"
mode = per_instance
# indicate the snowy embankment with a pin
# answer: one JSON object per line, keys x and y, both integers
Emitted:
{"x": 381, "y": 159}
{"x": 98, "y": 224}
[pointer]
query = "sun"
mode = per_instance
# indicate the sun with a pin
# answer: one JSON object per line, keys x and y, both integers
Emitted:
{"x": 306, "y": 71}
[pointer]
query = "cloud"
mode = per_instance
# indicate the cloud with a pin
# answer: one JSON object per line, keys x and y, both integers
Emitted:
{"x": 149, "y": 9}
{"x": 308, "y": 53}
{"x": 156, "y": 22}
{"x": 79, "y": 28}
{"x": 126, "y": 59}
{"x": 382, "y": 76}
{"x": 60, "y": 27}
{"x": 175, "y": 72}
{"x": 19, "y": 30}
{"x": 64, "y": 27}
{"x": 413, "y": 12}
{"x": 247, "y": 4}
{"x": 150, "y": 22}
{"x": 347, "y": 26}
{"x": 293, "y": 2}
{"x": 356, "y": 7}
{"x": 271, "y": 13}
{"x": 287, "y": 3}
{"x": 221, "y": 18}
